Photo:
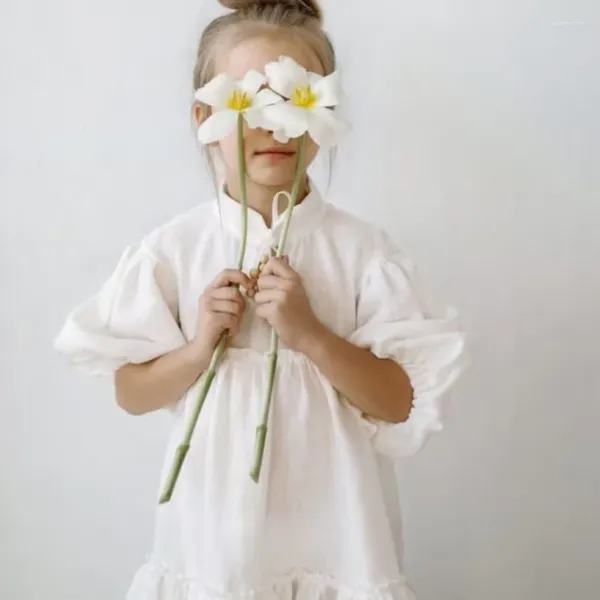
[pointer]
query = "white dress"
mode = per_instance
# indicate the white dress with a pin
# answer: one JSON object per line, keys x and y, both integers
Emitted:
{"x": 315, "y": 527}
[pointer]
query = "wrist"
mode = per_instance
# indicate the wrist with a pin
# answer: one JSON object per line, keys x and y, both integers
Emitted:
{"x": 314, "y": 341}
{"x": 196, "y": 354}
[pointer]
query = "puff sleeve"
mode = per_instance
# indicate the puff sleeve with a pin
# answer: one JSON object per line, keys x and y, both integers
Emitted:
{"x": 132, "y": 318}
{"x": 396, "y": 320}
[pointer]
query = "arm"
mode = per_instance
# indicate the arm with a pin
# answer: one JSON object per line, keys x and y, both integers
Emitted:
{"x": 378, "y": 387}
{"x": 159, "y": 383}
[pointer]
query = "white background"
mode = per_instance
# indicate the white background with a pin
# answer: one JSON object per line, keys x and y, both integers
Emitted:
{"x": 475, "y": 142}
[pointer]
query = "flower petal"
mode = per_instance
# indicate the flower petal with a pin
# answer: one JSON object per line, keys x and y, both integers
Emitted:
{"x": 296, "y": 72}
{"x": 255, "y": 117}
{"x": 265, "y": 98}
{"x": 279, "y": 136}
{"x": 217, "y": 91}
{"x": 325, "y": 127}
{"x": 218, "y": 126}
{"x": 314, "y": 79}
{"x": 252, "y": 82}
{"x": 285, "y": 76}
{"x": 293, "y": 120}
{"x": 329, "y": 90}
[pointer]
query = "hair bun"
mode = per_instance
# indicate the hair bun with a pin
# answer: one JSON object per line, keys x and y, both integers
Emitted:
{"x": 308, "y": 7}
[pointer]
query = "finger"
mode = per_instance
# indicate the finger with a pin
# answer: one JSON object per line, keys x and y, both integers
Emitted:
{"x": 229, "y": 322}
{"x": 265, "y": 311}
{"x": 231, "y": 277}
{"x": 228, "y": 307}
{"x": 267, "y": 296}
{"x": 277, "y": 266}
{"x": 273, "y": 282}
{"x": 228, "y": 293}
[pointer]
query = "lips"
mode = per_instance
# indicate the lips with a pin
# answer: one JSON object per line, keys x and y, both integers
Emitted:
{"x": 275, "y": 152}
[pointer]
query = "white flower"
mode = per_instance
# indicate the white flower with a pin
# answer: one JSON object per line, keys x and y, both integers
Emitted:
{"x": 310, "y": 98}
{"x": 228, "y": 99}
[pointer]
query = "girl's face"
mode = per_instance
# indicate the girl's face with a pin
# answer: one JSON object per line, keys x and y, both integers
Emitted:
{"x": 268, "y": 162}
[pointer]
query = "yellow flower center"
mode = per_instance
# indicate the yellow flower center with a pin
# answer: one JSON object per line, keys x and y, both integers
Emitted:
{"x": 304, "y": 97}
{"x": 239, "y": 101}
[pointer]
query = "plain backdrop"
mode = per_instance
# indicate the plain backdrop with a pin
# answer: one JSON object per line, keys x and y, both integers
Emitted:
{"x": 475, "y": 142}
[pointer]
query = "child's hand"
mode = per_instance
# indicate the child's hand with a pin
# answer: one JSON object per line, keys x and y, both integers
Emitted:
{"x": 282, "y": 302}
{"x": 220, "y": 308}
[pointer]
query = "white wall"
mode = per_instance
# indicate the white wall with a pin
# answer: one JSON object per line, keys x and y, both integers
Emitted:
{"x": 475, "y": 142}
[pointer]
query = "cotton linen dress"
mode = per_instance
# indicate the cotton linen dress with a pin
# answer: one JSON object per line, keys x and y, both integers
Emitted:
{"x": 315, "y": 527}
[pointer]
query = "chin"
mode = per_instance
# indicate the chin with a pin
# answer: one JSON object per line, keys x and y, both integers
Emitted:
{"x": 272, "y": 178}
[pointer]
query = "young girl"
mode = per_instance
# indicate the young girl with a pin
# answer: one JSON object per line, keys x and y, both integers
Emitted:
{"x": 364, "y": 361}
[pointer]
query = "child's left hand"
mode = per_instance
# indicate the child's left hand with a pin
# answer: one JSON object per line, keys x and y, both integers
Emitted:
{"x": 283, "y": 303}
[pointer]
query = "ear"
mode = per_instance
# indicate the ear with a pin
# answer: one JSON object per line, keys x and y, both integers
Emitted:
{"x": 201, "y": 112}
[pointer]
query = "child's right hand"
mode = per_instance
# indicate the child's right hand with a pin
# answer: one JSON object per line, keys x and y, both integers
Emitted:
{"x": 221, "y": 307}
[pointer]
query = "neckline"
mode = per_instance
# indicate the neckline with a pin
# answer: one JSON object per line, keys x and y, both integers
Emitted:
{"x": 305, "y": 217}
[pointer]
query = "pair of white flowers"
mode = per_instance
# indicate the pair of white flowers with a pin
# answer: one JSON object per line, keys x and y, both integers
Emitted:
{"x": 287, "y": 99}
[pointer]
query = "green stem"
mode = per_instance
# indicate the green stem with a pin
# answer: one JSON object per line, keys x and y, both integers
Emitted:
{"x": 219, "y": 350}
{"x": 244, "y": 189}
{"x": 261, "y": 430}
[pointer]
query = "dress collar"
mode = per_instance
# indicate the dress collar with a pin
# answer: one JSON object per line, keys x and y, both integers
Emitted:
{"x": 305, "y": 217}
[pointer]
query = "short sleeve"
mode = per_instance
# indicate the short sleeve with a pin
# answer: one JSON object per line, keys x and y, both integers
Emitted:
{"x": 397, "y": 320}
{"x": 132, "y": 318}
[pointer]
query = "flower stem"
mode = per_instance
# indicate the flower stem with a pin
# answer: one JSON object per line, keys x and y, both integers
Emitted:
{"x": 244, "y": 188}
{"x": 261, "y": 430}
{"x": 215, "y": 361}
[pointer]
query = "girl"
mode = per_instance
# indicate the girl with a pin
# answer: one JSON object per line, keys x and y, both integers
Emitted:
{"x": 363, "y": 365}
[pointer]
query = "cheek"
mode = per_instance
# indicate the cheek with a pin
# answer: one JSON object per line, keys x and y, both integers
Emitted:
{"x": 229, "y": 145}
{"x": 311, "y": 152}
{"x": 228, "y": 148}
